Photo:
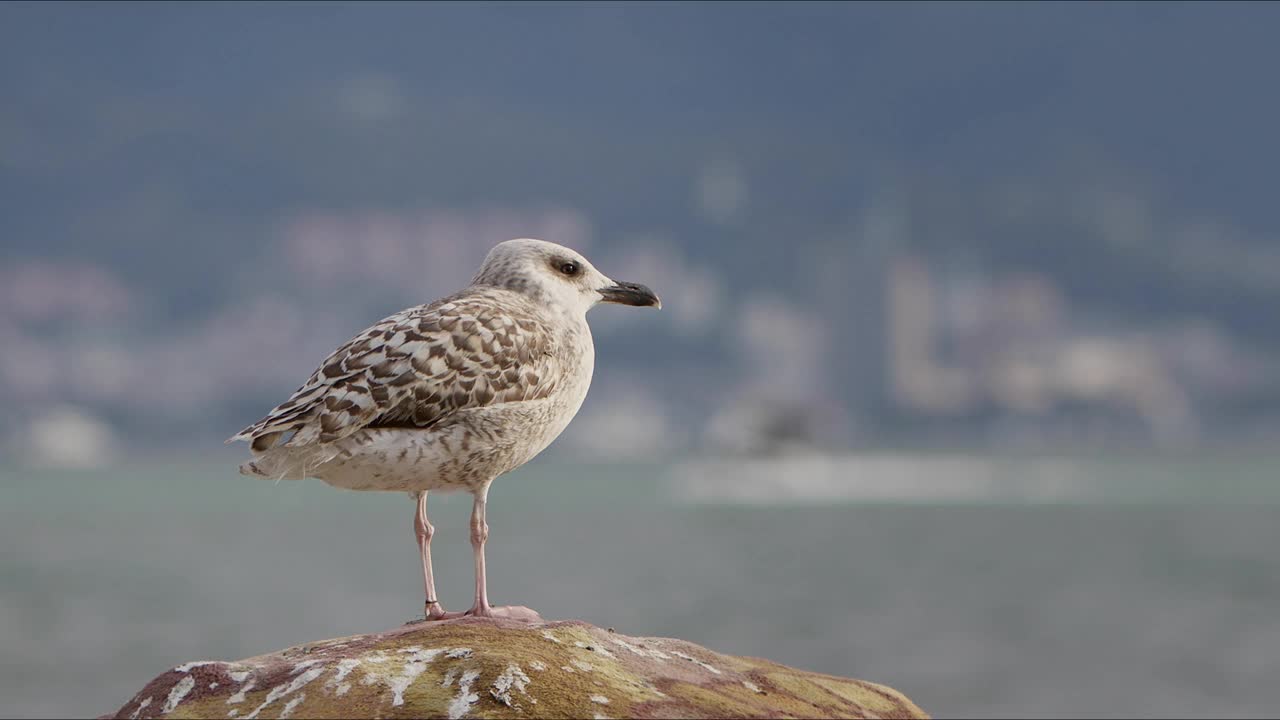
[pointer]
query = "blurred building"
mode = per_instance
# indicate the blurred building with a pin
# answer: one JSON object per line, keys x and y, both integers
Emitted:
{"x": 1011, "y": 348}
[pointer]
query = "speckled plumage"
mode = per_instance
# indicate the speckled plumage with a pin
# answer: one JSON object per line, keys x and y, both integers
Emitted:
{"x": 440, "y": 396}
{"x": 449, "y": 395}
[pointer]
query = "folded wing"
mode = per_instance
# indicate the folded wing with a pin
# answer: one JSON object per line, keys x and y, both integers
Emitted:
{"x": 415, "y": 368}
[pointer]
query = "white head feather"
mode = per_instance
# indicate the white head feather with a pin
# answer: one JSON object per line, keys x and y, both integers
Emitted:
{"x": 556, "y": 275}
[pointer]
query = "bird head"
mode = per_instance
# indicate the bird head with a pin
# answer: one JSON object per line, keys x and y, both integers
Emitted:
{"x": 557, "y": 274}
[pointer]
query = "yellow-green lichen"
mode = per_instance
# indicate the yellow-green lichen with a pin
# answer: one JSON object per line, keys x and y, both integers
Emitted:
{"x": 503, "y": 669}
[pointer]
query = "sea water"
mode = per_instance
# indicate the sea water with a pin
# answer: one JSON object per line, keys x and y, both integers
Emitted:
{"x": 981, "y": 586}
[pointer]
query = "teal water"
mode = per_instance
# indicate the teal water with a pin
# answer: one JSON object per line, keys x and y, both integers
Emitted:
{"x": 1090, "y": 586}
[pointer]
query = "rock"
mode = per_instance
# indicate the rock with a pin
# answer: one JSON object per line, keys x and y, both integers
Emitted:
{"x": 506, "y": 669}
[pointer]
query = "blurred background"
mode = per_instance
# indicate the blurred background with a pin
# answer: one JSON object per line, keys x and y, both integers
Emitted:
{"x": 967, "y": 379}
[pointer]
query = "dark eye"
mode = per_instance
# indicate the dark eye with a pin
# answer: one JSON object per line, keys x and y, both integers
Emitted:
{"x": 570, "y": 268}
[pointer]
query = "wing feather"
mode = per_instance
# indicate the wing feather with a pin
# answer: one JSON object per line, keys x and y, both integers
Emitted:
{"x": 416, "y": 367}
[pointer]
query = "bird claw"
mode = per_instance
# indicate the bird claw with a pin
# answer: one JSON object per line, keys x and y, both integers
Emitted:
{"x": 510, "y": 612}
{"x": 436, "y": 611}
{"x": 515, "y": 612}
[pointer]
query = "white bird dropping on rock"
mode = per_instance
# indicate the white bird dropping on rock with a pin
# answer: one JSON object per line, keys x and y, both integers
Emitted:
{"x": 450, "y": 395}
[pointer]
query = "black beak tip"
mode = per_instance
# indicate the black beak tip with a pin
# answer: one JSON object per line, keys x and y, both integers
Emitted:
{"x": 635, "y": 294}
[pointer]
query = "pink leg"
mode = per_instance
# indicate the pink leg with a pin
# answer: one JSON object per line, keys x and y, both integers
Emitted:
{"x": 424, "y": 530}
{"x": 480, "y": 535}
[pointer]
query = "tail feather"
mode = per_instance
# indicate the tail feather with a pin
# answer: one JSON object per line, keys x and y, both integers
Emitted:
{"x": 263, "y": 443}
{"x": 283, "y": 462}
{"x": 272, "y": 467}
{"x": 269, "y": 428}
{"x": 251, "y": 468}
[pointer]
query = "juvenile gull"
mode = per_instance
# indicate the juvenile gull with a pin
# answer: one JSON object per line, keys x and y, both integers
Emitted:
{"x": 450, "y": 395}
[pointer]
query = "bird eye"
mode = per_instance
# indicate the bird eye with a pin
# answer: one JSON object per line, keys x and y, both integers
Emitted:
{"x": 570, "y": 268}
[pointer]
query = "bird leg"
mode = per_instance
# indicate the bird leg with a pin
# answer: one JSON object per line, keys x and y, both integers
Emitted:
{"x": 423, "y": 529}
{"x": 479, "y": 535}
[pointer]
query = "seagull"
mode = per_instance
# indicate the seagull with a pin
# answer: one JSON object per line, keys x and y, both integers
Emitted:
{"x": 446, "y": 397}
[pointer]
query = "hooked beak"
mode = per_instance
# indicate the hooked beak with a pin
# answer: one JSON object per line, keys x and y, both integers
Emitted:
{"x": 626, "y": 293}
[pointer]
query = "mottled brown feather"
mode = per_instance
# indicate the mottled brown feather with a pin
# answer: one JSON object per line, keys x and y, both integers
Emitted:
{"x": 419, "y": 365}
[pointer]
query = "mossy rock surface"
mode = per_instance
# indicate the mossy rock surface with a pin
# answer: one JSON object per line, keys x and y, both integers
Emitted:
{"x": 479, "y": 668}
